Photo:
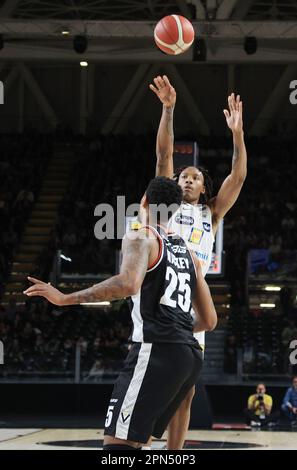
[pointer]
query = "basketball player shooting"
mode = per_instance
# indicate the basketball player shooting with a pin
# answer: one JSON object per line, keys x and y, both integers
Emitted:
{"x": 164, "y": 281}
{"x": 199, "y": 215}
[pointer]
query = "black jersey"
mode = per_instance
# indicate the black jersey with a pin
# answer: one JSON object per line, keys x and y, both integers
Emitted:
{"x": 161, "y": 309}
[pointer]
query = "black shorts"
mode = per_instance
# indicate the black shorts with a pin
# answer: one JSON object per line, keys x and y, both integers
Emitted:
{"x": 155, "y": 380}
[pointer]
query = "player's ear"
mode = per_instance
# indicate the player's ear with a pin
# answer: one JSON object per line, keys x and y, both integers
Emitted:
{"x": 203, "y": 190}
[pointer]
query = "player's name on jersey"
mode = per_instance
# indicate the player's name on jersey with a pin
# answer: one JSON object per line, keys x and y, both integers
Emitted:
{"x": 180, "y": 263}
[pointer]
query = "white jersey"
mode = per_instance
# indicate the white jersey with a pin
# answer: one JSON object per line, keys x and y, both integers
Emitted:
{"x": 194, "y": 224}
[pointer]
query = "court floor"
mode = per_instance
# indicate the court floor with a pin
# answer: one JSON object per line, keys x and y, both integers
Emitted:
{"x": 74, "y": 439}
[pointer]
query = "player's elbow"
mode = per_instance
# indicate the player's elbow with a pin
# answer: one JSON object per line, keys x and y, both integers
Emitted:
{"x": 238, "y": 178}
{"x": 205, "y": 324}
{"x": 210, "y": 326}
{"x": 131, "y": 287}
{"x": 242, "y": 177}
{"x": 211, "y": 322}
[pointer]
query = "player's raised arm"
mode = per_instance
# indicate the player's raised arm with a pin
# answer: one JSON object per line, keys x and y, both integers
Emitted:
{"x": 165, "y": 137}
{"x": 136, "y": 250}
{"x": 232, "y": 185}
{"x": 206, "y": 315}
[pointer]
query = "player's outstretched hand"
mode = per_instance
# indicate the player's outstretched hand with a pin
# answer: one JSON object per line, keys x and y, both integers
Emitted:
{"x": 164, "y": 91}
{"x": 234, "y": 115}
{"x": 45, "y": 290}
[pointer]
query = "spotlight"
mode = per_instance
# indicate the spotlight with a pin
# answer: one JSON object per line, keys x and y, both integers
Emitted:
{"x": 1, "y": 42}
{"x": 199, "y": 50}
{"x": 272, "y": 288}
{"x": 80, "y": 44}
{"x": 91, "y": 304}
{"x": 250, "y": 45}
{"x": 83, "y": 63}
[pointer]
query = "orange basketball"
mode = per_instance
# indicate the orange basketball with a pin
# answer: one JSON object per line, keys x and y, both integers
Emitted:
{"x": 174, "y": 34}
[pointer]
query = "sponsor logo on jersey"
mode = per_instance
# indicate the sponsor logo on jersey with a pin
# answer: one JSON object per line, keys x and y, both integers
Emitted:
{"x": 135, "y": 225}
{"x": 195, "y": 236}
{"x": 184, "y": 219}
{"x": 202, "y": 256}
{"x": 204, "y": 211}
{"x": 125, "y": 415}
{"x": 177, "y": 248}
{"x": 206, "y": 226}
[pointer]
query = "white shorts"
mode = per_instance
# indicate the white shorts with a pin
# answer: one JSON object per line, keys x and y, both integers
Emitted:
{"x": 201, "y": 339}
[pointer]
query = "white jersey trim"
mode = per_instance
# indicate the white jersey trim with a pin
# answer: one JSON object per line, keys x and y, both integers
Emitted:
{"x": 127, "y": 408}
{"x": 162, "y": 248}
{"x": 137, "y": 319}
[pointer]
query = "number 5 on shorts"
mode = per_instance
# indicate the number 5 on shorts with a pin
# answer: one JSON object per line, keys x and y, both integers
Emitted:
{"x": 109, "y": 416}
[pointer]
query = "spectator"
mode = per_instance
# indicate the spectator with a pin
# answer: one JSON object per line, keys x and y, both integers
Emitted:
{"x": 289, "y": 406}
{"x": 258, "y": 412}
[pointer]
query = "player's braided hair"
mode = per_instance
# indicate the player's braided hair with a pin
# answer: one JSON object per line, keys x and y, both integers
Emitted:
{"x": 204, "y": 198}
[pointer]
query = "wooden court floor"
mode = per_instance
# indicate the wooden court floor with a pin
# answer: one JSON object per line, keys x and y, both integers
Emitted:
{"x": 74, "y": 439}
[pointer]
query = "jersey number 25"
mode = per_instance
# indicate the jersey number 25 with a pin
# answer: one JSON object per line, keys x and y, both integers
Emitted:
{"x": 178, "y": 291}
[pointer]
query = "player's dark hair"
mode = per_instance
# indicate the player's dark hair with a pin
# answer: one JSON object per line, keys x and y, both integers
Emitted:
{"x": 204, "y": 198}
{"x": 165, "y": 191}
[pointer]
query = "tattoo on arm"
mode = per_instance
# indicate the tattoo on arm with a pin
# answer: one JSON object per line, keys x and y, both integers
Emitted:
{"x": 169, "y": 122}
{"x": 164, "y": 144}
{"x": 133, "y": 269}
{"x": 235, "y": 156}
{"x": 111, "y": 289}
{"x": 136, "y": 252}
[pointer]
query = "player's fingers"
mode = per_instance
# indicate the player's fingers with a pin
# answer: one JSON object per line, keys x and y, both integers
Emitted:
{"x": 156, "y": 82}
{"x": 166, "y": 81}
{"x": 154, "y": 89}
{"x": 35, "y": 293}
{"x": 160, "y": 82}
{"x": 39, "y": 287}
{"x": 233, "y": 99}
{"x": 232, "y": 102}
{"x": 34, "y": 280}
{"x": 34, "y": 288}
{"x": 226, "y": 112}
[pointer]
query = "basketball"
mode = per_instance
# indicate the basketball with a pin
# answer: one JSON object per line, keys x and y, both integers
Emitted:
{"x": 174, "y": 34}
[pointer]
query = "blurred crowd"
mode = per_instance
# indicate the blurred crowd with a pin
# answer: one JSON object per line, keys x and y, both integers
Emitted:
{"x": 41, "y": 340}
{"x": 264, "y": 337}
{"x": 37, "y": 337}
{"x": 23, "y": 160}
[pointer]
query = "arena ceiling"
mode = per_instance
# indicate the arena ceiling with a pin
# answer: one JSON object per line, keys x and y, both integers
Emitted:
{"x": 122, "y": 30}
{"x": 284, "y": 10}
